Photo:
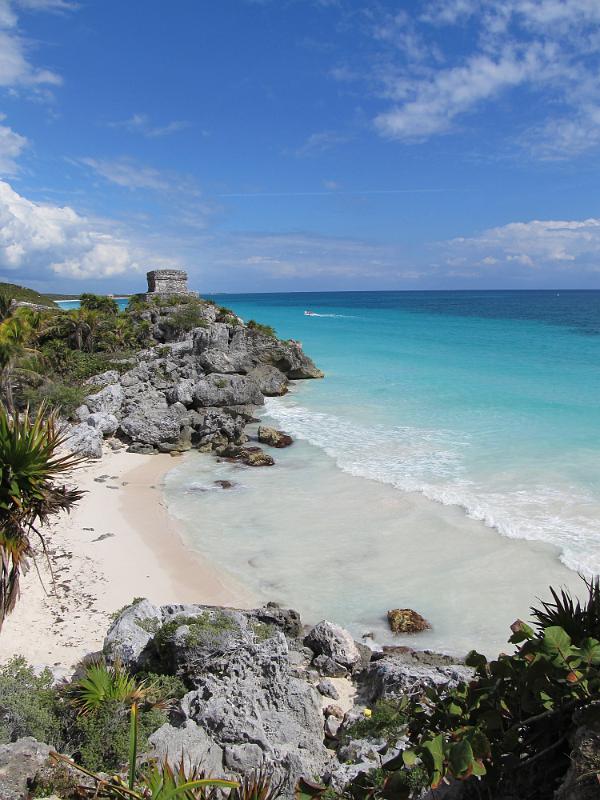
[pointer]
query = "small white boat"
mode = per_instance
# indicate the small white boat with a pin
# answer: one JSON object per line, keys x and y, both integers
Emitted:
{"x": 309, "y": 314}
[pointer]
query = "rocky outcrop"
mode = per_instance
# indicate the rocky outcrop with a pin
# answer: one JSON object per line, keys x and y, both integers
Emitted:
{"x": 406, "y": 671}
{"x": 193, "y": 388}
{"x": 333, "y": 642}
{"x": 20, "y": 763}
{"x": 246, "y": 707}
{"x": 273, "y": 437}
{"x": 405, "y": 620}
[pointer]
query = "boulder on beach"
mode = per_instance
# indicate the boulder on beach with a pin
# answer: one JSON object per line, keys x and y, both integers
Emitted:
{"x": 273, "y": 437}
{"x": 405, "y": 620}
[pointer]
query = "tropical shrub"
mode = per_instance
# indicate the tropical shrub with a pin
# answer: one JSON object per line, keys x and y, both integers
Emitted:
{"x": 267, "y": 330}
{"x": 30, "y": 464}
{"x": 29, "y": 705}
{"x": 508, "y": 728}
{"x": 185, "y": 319}
{"x": 99, "y": 302}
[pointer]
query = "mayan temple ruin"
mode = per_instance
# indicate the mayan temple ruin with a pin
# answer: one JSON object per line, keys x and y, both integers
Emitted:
{"x": 167, "y": 282}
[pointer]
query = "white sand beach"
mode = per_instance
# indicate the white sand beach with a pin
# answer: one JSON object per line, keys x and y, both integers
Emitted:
{"x": 119, "y": 543}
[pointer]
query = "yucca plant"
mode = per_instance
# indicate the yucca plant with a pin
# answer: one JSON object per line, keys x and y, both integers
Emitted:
{"x": 30, "y": 464}
{"x": 103, "y": 683}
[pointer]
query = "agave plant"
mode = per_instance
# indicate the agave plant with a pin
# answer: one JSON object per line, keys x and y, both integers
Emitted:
{"x": 30, "y": 463}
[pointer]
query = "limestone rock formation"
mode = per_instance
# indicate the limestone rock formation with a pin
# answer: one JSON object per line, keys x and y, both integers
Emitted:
{"x": 333, "y": 642}
{"x": 194, "y": 387}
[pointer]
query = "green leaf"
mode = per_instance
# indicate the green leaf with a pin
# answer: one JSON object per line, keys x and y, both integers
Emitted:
{"x": 409, "y": 757}
{"x": 557, "y": 641}
{"x": 590, "y": 651}
{"x": 475, "y": 660}
{"x": 461, "y": 758}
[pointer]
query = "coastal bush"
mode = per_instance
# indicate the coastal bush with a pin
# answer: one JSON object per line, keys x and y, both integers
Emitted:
{"x": 185, "y": 319}
{"x": 29, "y": 704}
{"x": 507, "y": 730}
{"x": 267, "y": 330}
{"x": 56, "y": 395}
{"x": 99, "y": 302}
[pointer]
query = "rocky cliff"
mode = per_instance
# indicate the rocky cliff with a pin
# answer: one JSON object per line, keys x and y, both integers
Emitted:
{"x": 192, "y": 388}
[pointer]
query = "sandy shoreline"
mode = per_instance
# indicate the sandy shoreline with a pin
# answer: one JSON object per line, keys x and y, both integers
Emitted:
{"x": 119, "y": 543}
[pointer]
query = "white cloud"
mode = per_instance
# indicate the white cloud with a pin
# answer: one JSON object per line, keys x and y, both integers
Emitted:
{"x": 563, "y": 244}
{"x": 12, "y": 145}
{"x": 37, "y": 237}
{"x": 141, "y": 123}
{"x": 549, "y": 47}
{"x": 320, "y": 142}
{"x": 15, "y": 68}
{"x": 127, "y": 173}
{"x": 435, "y": 103}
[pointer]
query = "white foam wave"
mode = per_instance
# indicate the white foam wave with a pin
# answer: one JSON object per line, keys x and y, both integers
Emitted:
{"x": 432, "y": 463}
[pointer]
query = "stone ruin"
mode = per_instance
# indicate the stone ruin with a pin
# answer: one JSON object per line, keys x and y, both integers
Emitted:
{"x": 168, "y": 282}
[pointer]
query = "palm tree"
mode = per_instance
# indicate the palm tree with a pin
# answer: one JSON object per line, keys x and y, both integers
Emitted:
{"x": 14, "y": 337}
{"x": 30, "y": 463}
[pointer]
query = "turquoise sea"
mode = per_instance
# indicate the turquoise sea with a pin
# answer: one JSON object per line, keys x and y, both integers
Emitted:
{"x": 450, "y": 461}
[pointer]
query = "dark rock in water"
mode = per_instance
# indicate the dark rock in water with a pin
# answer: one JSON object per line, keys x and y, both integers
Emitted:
{"x": 334, "y": 642}
{"x": 258, "y": 459}
{"x": 273, "y": 437}
{"x": 405, "y": 620}
{"x": 225, "y": 484}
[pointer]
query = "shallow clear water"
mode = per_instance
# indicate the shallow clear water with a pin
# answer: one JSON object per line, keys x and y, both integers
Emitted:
{"x": 445, "y": 420}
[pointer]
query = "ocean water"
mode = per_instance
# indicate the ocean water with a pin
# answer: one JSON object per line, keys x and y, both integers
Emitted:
{"x": 449, "y": 462}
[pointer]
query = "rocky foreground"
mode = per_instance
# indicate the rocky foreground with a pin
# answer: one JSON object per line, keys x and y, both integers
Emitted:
{"x": 196, "y": 388}
{"x": 264, "y": 692}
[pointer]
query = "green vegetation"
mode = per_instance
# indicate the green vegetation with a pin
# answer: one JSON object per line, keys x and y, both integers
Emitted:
{"x": 29, "y": 706}
{"x": 11, "y": 291}
{"x": 204, "y": 627}
{"x": 30, "y": 465}
{"x": 514, "y": 719}
{"x": 185, "y": 319}
{"x": 267, "y": 330}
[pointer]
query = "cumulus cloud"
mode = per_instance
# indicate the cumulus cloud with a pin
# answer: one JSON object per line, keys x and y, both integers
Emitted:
{"x": 12, "y": 145}
{"x": 37, "y": 238}
{"x": 537, "y": 244}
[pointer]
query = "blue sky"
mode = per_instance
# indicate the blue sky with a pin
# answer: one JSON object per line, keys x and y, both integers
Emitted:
{"x": 297, "y": 145}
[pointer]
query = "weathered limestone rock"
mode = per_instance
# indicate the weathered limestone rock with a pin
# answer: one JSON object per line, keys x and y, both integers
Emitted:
{"x": 20, "y": 762}
{"x": 107, "y": 424}
{"x": 86, "y": 440}
{"x": 405, "y": 670}
{"x": 273, "y": 437}
{"x": 130, "y": 633}
{"x": 271, "y": 381}
{"x": 405, "y": 620}
{"x": 334, "y": 642}
{"x": 107, "y": 400}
